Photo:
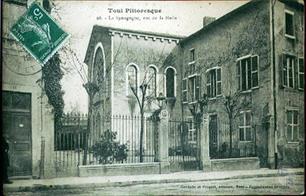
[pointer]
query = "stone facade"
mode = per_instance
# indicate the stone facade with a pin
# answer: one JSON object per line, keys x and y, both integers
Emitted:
{"x": 31, "y": 153}
{"x": 122, "y": 49}
{"x": 226, "y": 44}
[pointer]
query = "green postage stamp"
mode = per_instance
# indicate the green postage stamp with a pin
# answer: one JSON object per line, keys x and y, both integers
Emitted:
{"x": 38, "y": 33}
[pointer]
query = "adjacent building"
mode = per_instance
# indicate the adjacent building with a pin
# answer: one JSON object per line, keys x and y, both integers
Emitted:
{"x": 121, "y": 62}
{"x": 249, "y": 65}
{"x": 27, "y": 117}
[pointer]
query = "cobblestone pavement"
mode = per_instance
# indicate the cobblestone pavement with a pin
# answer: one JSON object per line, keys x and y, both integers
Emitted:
{"x": 284, "y": 185}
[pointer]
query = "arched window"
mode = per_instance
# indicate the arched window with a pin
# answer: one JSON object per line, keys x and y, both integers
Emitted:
{"x": 170, "y": 87}
{"x": 131, "y": 79}
{"x": 98, "y": 71}
{"x": 152, "y": 78}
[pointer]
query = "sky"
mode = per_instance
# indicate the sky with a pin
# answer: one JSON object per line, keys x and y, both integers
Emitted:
{"x": 78, "y": 17}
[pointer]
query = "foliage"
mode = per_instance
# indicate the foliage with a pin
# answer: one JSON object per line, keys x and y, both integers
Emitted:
{"x": 52, "y": 75}
{"x": 106, "y": 150}
{"x": 91, "y": 88}
{"x": 233, "y": 105}
{"x": 198, "y": 109}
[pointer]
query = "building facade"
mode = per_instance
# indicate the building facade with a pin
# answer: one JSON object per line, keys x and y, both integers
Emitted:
{"x": 121, "y": 62}
{"x": 243, "y": 72}
{"x": 27, "y": 119}
{"x": 249, "y": 65}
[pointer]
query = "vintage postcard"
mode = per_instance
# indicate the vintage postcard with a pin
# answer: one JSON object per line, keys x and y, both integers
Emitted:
{"x": 153, "y": 97}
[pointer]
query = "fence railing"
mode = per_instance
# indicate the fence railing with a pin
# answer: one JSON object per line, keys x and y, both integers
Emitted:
{"x": 69, "y": 144}
{"x": 183, "y": 141}
{"x": 73, "y": 143}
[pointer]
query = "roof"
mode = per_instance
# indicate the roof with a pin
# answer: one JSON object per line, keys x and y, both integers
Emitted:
{"x": 219, "y": 20}
{"x": 297, "y": 3}
{"x": 148, "y": 33}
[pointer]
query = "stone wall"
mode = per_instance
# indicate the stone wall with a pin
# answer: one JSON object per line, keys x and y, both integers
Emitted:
{"x": 250, "y": 163}
{"x": 119, "y": 169}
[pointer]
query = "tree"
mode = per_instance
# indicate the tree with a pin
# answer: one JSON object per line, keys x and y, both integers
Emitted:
{"x": 141, "y": 104}
{"x": 198, "y": 109}
{"x": 233, "y": 105}
{"x": 52, "y": 75}
{"x": 143, "y": 98}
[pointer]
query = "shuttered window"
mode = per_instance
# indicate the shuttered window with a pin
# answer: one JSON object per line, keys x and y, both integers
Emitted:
{"x": 184, "y": 90}
{"x": 288, "y": 70}
{"x": 214, "y": 82}
{"x": 301, "y": 74}
{"x": 247, "y": 73}
{"x": 194, "y": 88}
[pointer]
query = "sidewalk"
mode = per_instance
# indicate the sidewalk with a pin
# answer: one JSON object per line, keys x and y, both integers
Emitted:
{"x": 108, "y": 181}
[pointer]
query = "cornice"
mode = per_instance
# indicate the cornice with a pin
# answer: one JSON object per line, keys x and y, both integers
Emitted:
{"x": 143, "y": 36}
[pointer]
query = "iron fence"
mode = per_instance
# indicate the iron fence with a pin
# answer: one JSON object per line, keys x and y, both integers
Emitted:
{"x": 73, "y": 143}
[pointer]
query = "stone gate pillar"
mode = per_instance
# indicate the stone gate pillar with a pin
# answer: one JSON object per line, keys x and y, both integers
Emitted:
{"x": 163, "y": 156}
{"x": 272, "y": 154}
{"x": 204, "y": 145}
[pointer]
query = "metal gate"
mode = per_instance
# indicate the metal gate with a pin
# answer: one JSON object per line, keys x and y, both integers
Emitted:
{"x": 184, "y": 145}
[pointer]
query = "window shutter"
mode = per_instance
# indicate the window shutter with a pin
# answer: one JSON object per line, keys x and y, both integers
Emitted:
{"x": 255, "y": 71}
{"x": 296, "y": 73}
{"x": 238, "y": 75}
{"x": 198, "y": 82}
{"x": 249, "y": 74}
{"x": 208, "y": 84}
{"x": 301, "y": 73}
{"x": 219, "y": 83}
{"x": 184, "y": 90}
{"x": 187, "y": 90}
{"x": 282, "y": 63}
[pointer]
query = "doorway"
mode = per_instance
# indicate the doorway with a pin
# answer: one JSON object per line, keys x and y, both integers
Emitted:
{"x": 16, "y": 120}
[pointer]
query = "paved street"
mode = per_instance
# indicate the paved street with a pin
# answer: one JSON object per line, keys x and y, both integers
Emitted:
{"x": 284, "y": 185}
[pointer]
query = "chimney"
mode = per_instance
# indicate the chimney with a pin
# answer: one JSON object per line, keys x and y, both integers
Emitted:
{"x": 207, "y": 20}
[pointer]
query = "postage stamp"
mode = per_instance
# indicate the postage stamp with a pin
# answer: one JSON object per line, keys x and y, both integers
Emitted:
{"x": 38, "y": 33}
